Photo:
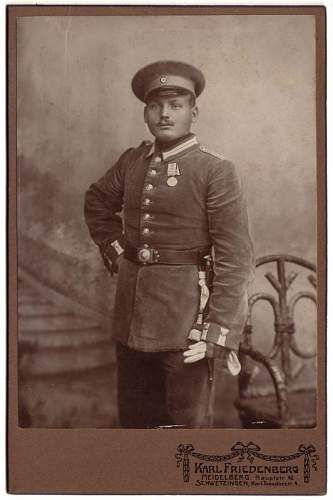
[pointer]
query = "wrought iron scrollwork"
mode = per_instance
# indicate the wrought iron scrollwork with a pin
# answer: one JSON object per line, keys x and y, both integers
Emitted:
{"x": 283, "y": 310}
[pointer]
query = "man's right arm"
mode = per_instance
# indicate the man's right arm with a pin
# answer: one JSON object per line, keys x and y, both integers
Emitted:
{"x": 103, "y": 202}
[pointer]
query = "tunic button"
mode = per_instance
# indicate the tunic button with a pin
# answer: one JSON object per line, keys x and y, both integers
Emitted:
{"x": 146, "y": 202}
{"x": 146, "y": 231}
{"x": 149, "y": 187}
{"x": 153, "y": 172}
{"x": 146, "y": 216}
{"x": 157, "y": 159}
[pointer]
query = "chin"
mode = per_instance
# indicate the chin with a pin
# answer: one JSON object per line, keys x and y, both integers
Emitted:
{"x": 165, "y": 136}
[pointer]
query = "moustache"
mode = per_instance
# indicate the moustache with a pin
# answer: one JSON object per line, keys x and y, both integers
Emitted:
{"x": 160, "y": 124}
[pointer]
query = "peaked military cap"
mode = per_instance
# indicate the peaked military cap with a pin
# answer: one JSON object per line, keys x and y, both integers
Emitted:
{"x": 167, "y": 75}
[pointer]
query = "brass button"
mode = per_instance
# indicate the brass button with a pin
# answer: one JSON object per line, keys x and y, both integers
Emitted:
{"x": 145, "y": 230}
{"x": 153, "y": 172}
{"x": 149, "y": 187}
{"x": 146, "y": 216}
{"x": 157, "y": 159}
{"x": 146, "y": 202}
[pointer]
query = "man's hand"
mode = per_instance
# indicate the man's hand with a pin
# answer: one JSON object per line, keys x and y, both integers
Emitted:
{"x": 196, "y": 352}
{"x": 116, "y": 264}
{"x": 113, "y": 266}
{"x": 201, "y": 349}
{"x": 119, "y": 261}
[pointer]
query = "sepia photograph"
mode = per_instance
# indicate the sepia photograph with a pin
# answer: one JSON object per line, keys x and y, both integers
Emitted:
{"x": 167, "y": 229}
{"x": 166, "y": 221}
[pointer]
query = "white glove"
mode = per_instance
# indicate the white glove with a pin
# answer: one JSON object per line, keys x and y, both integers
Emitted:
{"x": 200, "y": 349}
{"x": 196, "y": 352}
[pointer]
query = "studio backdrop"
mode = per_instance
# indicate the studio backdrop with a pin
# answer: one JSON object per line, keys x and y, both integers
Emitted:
{"x": 76, "y": 114}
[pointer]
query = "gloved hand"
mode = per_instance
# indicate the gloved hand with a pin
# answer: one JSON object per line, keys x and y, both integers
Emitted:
{"x": 112, "y": 265}
{"x": 203, "y": 349}
{"x": 196, "y": 352}
{"x": 117, "y": 264}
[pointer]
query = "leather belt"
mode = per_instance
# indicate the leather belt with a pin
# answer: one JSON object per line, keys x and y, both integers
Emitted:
{"x": 147, "y": 255}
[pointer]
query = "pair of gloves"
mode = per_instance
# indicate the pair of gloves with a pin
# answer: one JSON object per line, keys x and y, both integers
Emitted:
{"x": 203, "y": 349}
{"x": 228, "y": 358}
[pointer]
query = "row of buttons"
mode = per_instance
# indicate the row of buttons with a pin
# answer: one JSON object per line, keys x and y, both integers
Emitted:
{"x": 147, "y": 201}
{"x": 146, "y": 218}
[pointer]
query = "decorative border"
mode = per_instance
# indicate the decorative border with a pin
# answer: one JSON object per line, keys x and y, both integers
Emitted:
{"x": 248, "y": 452}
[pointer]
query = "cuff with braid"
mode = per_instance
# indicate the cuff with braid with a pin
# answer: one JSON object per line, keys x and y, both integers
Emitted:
{"x": 222, "y": 336}
{"x": 111, "y": 253}
{"x": 227, "y": 358}
{"x": 217, "y": 348}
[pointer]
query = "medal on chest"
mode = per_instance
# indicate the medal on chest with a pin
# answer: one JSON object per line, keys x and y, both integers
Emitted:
{"x": 172, "y": 181}
{"x": 172, "y": 172}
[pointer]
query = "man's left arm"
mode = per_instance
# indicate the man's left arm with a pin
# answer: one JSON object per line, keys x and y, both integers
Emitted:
{"x": 233, "y": 267}
{"x": 233, "y": 257}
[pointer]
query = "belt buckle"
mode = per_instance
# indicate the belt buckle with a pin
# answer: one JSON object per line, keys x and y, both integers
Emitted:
{"x": 147, "y": 255}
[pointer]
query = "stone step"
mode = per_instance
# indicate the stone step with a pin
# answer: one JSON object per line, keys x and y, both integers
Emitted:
{"x": 24, "y": 286}
{"x": 56, "y": 323}
{"x": 55, "y": 339}
{"x": 34, "y": 302}
{"x": 29, "y": 293}
{"x": 57, "y": 361}
{"x": 32, "y": 310}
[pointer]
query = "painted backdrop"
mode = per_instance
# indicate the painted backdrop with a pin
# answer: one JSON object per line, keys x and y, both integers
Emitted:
{"x": 77, "y": 114}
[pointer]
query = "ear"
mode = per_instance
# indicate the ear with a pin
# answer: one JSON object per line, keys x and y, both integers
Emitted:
{"x": 145, "y": 114}
{"x": 195, "y": 113}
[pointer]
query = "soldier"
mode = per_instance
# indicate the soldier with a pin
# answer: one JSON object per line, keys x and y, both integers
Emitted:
{"x": 181, "y": 202}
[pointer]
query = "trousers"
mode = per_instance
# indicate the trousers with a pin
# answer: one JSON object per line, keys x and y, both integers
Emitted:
{"x": 156, "y": 389}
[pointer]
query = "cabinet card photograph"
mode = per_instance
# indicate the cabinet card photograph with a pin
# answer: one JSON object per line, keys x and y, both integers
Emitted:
{"x": 166, "y": 285}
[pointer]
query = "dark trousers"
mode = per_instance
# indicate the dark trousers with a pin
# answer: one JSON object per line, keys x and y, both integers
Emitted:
{"x": 158, "y": 389}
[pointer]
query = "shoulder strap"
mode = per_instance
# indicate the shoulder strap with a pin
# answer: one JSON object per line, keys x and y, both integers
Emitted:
{"x": 213, "y": 153}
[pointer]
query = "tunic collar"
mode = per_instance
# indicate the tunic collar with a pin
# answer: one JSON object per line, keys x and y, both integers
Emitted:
{"x": 180, "y": 148}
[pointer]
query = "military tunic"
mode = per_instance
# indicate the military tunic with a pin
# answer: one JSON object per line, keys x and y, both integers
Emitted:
{"x": 156, "y": 305}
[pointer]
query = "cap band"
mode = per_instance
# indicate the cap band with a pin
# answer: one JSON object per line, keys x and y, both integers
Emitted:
{"x": 170, "y": 81}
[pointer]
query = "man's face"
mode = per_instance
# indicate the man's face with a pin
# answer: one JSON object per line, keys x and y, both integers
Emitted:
{"x": 170, "y": 117}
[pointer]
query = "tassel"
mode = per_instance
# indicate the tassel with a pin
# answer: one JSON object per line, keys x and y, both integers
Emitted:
{"x": 196, "y": 331}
